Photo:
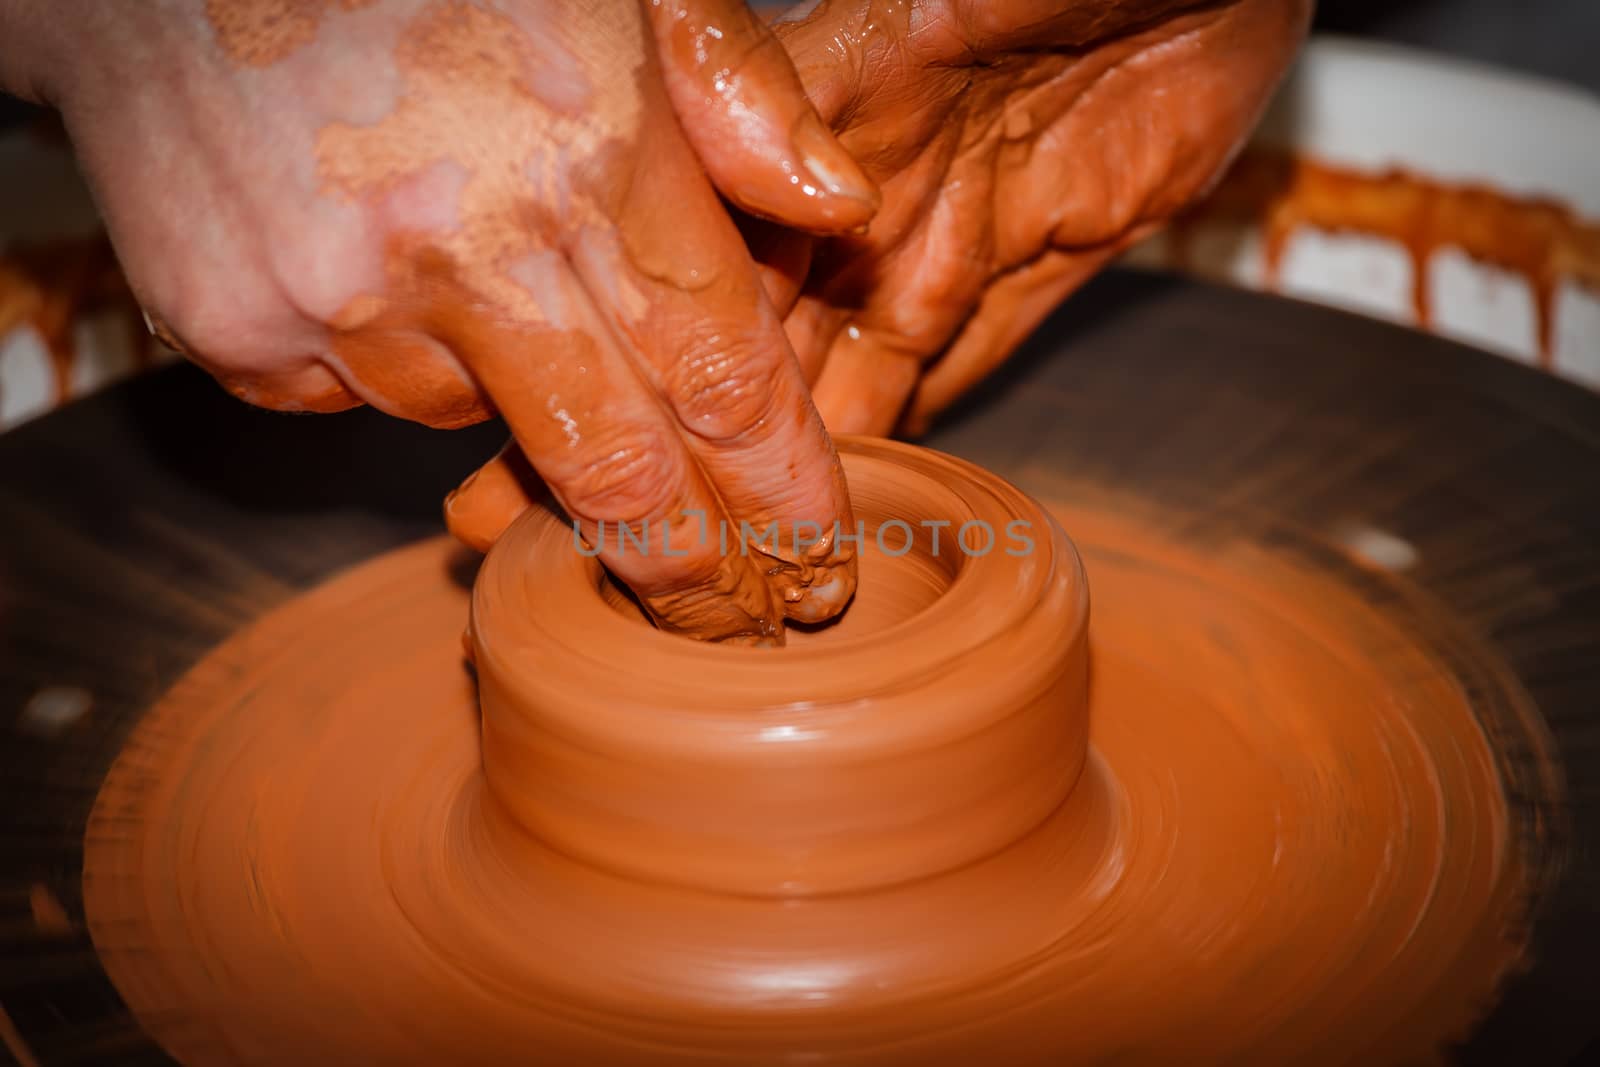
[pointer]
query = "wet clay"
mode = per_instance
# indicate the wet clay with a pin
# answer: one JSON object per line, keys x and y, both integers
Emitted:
{"x": 1540, "y": 240}
{"x": 1288, "y": 836}
{"x": 805, "y": 772}
{"x": 526, "y": 265}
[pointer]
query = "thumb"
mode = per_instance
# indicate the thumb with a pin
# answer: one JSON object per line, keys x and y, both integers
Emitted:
{"x": 747, "y": 116}
{"x": 480, "y": 509}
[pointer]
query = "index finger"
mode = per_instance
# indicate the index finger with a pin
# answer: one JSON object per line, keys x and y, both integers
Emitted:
{"x": 693, "y": 315}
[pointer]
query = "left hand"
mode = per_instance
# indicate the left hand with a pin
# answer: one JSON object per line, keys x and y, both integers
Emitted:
{"x": 1020, "y": 145}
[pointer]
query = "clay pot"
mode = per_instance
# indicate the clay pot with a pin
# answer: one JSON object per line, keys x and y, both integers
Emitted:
{"x": 941, "y": 718}
{"x": 1247, "y": 867}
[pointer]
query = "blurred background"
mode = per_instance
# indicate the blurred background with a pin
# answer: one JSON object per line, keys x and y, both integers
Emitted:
{"x": 1550, "y": 38}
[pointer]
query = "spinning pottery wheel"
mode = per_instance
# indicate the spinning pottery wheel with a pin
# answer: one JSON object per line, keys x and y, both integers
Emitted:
{"x": 1452, "y": 490}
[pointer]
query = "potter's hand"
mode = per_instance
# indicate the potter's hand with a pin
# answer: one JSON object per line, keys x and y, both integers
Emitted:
{"x": 1020, "y": 144}
{"x": 441, "y": 206}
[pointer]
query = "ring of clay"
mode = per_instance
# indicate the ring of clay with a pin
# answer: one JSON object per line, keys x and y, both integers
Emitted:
{"x": 940, "y": 720}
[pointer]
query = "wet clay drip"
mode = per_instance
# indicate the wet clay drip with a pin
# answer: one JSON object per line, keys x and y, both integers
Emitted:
{"x": 51, "y": 287}
{"x": 1540, "y": 240}
{"x": 1289, "y": 839}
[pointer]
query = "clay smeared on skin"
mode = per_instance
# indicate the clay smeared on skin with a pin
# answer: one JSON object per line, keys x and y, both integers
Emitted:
{"x": 1019, "y": 146}
{"x": 1288, "y": 798}
{"x": 461, "y": 61}
{"x": 259, "y": 33}
{"x": 490, "y": 305}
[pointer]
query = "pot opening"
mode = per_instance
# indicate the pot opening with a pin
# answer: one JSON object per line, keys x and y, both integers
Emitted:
{"x": 906, "y": 561}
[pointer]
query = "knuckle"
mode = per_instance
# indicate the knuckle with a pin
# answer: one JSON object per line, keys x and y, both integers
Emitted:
{"x": 313, "y": 276}
{"x": 912, "y": 340}
{"x": 904, "y": 335}
{"x": 949, "y": 278}
{"x": 258, "y": 350}
{"x": 630, "y": 476}
{"x": 220, "y": 329}
{"x": 1115, "y": 187}
{"x": 239, "y": 322}
{"x": 741, "y": 42}
{"x": 755, "y": 49}
{"x": 727, "y": 392}
{"x": 930, "y": 302}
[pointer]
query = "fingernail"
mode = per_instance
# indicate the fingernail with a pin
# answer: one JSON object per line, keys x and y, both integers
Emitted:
{"x": 829, "y": 164}
{"x": 826, "y": 595}
{"x": 822, "y": 600}
{"x": 817, "y": 587}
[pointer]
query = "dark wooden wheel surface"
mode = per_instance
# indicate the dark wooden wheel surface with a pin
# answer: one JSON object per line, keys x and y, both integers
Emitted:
{"x": 141, "y": 526}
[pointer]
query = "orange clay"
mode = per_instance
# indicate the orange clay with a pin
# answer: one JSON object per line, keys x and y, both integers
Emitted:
{"x": 1287, "y": 841}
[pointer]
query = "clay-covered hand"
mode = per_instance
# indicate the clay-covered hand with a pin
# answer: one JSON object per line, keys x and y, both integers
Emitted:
{"x": 447, "y": 208}
{"x": 1020, "y": 145}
